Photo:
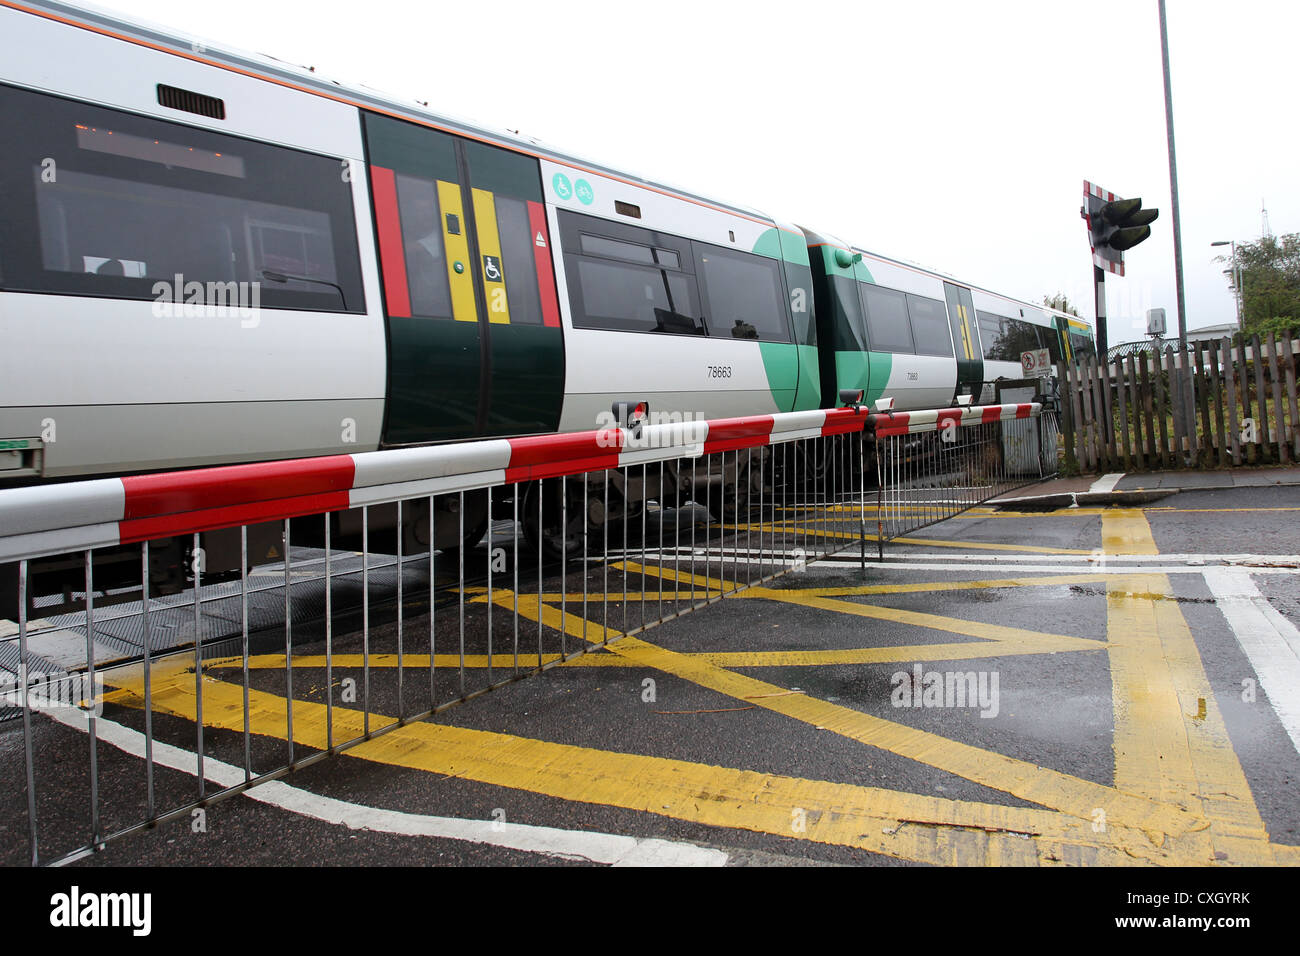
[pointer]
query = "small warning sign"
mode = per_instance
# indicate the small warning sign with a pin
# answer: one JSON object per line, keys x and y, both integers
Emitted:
{"x": 1037, "y": 363}
{"x": 540, "y": 241}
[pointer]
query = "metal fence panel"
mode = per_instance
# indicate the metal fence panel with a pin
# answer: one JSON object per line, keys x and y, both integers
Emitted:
{"x": 224, "y": 627}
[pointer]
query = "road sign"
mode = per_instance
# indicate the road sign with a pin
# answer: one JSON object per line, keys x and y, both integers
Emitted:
{"x": 1037, "y": 363}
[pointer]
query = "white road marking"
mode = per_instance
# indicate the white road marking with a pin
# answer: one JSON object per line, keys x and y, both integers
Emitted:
{"x": 988, "y": 557}
{"x": 1106, "y": 483}
{"x": 1270, "y": 641}
{"x": 1103, "y": 565}
{"x": 608, "y": 848}
{"x": 1084, "y": 568}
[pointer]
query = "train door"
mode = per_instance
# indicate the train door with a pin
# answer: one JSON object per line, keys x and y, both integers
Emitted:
{"x": 474, "y": 340}
{"x": 524, "y": 387}
{"x": 966, "y": 338}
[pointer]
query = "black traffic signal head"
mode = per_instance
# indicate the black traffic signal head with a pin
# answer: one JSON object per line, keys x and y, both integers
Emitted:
{"x": 1114, "y": 225}
{"x": 1122, "y": 239}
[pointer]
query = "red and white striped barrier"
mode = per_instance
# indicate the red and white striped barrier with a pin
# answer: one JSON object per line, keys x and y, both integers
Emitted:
{"x": 883, "y": 425}
{"x": 52, "y": 519}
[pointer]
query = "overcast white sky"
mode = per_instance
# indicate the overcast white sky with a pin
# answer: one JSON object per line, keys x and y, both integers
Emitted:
{"x": 955, "y": 134}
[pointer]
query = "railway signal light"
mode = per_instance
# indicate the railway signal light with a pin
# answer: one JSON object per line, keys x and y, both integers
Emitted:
{"x": 1115, "y": 225}
{"x": 1131, "y": 223}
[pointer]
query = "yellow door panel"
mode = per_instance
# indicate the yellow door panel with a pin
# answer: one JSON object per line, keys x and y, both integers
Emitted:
{"x": 463, "y": 307}
{"x": 965, "y": 332}
{"x": 489, "y": 244}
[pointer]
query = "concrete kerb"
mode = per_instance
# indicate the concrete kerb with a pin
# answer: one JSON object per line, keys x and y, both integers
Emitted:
{"x": 1068, "y": 499}
{"x": 1052, "y": 500}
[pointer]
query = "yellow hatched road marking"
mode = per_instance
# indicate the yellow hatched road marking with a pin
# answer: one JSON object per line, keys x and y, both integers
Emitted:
{"x": 1164, "y": 748}
{"x": 979, "y": 629}
{"x": 1179, "y": 795}
{"x": 903, "y": 825}
{"x": 1041, "y": 785}
{"x": 952, "y": 651}
{"x": 701, "y": 582}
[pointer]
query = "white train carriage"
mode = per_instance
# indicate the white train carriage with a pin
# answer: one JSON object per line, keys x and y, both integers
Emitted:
{"x": 212, "y": 257}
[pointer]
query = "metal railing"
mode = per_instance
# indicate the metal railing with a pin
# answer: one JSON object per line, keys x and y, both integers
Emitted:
{"x": 936, "y": 464}
{"x": 224, "y": 627}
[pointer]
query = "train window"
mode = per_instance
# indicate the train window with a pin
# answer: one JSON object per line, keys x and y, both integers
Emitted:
{"x": 519, "y": 261}
{"x": 631, "y": 298}
{"x": 888, "y": 327}
{"x": 414, "y": 175}
{"x": 846, "y": 314}
{"x": 991, "y": 328}
{"x": 930, "y": 328}
{"x": 110, "y": 204}
{"x": 1081, "y": 344}
{"x": 743, "y": 294}
{"x": 613, "y": 249}
{"x": 424, "y": 251}
{"x": 630, "y": 279}
{"x": 629, "y": 251}
{"x": 1051, "y": 340}
{"x": 1013, "y": 337}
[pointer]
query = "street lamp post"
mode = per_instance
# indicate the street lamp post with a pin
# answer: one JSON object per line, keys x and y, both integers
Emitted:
{"x": 1236, "y": 279}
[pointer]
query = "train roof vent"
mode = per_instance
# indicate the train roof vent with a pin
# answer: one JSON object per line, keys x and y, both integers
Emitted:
{"x": 177, "y": 99}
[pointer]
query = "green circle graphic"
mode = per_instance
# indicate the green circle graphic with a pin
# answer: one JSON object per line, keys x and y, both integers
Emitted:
{"x": 560, "y": 183}
{"x": 582, "y": 189}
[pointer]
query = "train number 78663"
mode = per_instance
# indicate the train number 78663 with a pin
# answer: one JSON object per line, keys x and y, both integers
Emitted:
{"x": 719, "y": 371}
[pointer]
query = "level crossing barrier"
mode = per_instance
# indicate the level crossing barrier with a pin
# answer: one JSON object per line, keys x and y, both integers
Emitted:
{"x": 153, "y": 686}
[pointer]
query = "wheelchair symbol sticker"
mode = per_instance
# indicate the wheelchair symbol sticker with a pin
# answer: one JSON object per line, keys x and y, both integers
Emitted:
{"x": 560, "y": 183}
{"x": 492, "y": 268}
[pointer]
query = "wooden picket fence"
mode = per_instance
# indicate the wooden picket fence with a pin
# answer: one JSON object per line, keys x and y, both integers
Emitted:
{"x": 1243, "y": 409}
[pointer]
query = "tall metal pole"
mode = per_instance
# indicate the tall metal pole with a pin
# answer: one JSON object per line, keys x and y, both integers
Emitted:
{"x": 1173, "y": 184}
{"x": 1185, "y": 376}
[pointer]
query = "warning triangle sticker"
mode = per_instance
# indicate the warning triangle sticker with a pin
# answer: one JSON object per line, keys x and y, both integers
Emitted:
{"x": 541, "y": 240}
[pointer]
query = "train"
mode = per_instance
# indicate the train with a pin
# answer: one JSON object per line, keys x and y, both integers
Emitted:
{"x": 213, "y": 257}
